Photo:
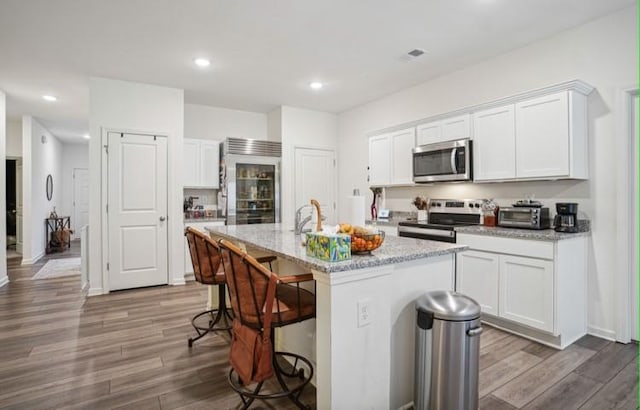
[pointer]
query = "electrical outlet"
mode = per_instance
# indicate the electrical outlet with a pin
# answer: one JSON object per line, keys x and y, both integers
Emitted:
{"x": 364, "y": 312}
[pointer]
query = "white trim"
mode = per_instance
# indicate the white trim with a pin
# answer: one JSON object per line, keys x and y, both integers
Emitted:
{"x": 31, "y": 261}
{"x": 76, "y": 228}
{"x": 602, "y": 333}
{"x": 340, "y": 278}
{"x": 4, "y": 280}
{"x": 96, "y": 292}
{"x": 624, "y": 209}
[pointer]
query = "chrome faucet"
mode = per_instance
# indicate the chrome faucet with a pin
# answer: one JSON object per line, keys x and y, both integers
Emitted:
{"x": 300, "y": 222}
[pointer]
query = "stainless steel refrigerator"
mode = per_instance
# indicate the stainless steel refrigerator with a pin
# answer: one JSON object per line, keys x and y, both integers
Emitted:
{"x": 250, "y": 181}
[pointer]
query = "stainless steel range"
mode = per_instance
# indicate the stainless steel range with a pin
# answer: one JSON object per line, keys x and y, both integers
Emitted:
{"x": 444, "y": 216}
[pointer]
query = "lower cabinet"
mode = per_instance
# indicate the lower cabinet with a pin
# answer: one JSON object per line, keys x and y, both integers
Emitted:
{"x": 537, "y": 285}
{"x": 477, "y": 277}
{"x": 188, "y": 266}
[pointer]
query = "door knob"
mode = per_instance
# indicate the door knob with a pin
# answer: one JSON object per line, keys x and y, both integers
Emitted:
{"x": 162, "y": 219}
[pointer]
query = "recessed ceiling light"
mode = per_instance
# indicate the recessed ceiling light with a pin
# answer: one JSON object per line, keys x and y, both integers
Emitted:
{"x": 202, "y": 62}
{"x": 86, "y": 136}
{"x": 316, "y": 85}
{"x": 49, "y": 98}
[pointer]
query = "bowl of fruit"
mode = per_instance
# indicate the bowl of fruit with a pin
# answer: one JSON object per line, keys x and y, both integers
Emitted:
{"x": 363, "y": 240}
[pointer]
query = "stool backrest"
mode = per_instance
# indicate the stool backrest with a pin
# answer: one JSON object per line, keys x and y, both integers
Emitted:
{"x": 205, "y": 257}
{"x": 249, "y": 284}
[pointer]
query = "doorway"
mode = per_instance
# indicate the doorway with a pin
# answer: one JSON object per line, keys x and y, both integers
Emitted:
{"x": 137, "y": 225}
{"x": 80, "y": 200}
{"x": 316, "y": 177}
{"x": 14, "y": 207}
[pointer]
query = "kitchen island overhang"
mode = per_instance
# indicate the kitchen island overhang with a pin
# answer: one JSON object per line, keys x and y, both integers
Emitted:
{"x": 360, "y": 362}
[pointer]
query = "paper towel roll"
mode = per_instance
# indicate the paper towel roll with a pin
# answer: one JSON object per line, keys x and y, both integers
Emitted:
{"x": 355, "y": 210}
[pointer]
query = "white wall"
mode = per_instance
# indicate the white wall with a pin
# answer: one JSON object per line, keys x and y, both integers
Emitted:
{"x": 73, "y": 156}
{"x": 38, "y": 160}
{"x": 204, "y": 122}
{"x": 603, "y": 53}
{"x": 274, "y": 125}
{"x": 122, "y": 105}
{"x": 302, "y": 128}
{"x": 14, "y": 138}
{"x": 4, "y": 279}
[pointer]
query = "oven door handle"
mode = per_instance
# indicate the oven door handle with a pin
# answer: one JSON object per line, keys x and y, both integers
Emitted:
{"x": 454, "y": 167}
{"x": 427, "y": 231}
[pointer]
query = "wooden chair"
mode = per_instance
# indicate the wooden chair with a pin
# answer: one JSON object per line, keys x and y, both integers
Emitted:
{"x": 249, "y": 283}
{"x": 208, "y": 270}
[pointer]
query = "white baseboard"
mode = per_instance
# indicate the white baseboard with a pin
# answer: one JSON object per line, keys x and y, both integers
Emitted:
{"x": 603, "y": 333}
{"x": 4, "y": 280}
{"x": 31, "y": 261}
{"x": 178, "y": 282}
{"x": 95, "y": 292}
{"x": 189, "y": 277}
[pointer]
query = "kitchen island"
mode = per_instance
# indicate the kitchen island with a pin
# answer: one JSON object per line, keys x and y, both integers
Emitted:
{"x": 365, "y": 317}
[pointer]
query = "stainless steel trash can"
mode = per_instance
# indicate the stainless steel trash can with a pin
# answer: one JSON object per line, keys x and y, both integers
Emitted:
{"x": 447, "y": 352}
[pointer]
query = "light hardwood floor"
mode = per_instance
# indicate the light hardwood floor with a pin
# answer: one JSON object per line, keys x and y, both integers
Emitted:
{"x": 128, "y": 349}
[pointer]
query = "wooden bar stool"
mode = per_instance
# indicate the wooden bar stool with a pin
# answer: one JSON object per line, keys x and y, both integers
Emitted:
{"x": 262, "y": 302}
{"x": 208, "y": 270}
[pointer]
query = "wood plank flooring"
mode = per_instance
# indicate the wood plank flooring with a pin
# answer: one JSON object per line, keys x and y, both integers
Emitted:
{"x": 128, "y": 350}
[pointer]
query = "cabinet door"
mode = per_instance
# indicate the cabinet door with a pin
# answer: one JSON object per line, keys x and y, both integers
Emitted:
{"x": 477, "y": 277}
{"x": 542, "y": 136}
{"x": 191, "y": 163}
{"x": 456, "y": 128}
{"x": 402, "y": 142}
{"x": 379, "y": 160}
{"x": 428, "y": 133}
{"x": 210, "y": 164}
{"x": 526, "y": 291}
{"x": 494, "y": 151}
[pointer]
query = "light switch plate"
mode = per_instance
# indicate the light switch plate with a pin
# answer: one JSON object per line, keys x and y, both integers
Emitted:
{"x": 364, "y": 312}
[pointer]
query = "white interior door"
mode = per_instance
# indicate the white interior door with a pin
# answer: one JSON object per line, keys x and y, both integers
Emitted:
{"x": 137, "y": 211}
{"x": 80, "y": 200}
{"x": 634, "y": 224}
{"x": 19, "y": 221}
{"x": 315, "y": 177}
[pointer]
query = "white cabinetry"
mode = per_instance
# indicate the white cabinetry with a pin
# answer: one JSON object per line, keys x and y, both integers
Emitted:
{"x": 201, "y": 163}
{"x": 188, "y": 265}
{"x": 390, "y": 158}
{"x": 494, "y": 144}
{"x": 526, "y": 291}
{"x": 448, "y": 129}
{"x": 537, "y": 138}
{"x": 478, "y": 278}
{"x": 533, "y": 288}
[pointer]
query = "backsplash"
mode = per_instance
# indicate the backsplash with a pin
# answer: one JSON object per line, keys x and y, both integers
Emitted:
{"x": 505, "y": 194}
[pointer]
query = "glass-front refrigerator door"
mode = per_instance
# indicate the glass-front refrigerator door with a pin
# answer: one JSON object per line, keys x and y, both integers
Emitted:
{"x": 255, "y": 194}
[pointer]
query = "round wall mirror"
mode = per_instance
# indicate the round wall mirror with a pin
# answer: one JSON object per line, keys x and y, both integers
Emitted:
{"x": 49, "y": 187}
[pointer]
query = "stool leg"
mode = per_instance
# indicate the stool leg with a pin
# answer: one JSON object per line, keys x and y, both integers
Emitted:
{"x": 221, "y": 313}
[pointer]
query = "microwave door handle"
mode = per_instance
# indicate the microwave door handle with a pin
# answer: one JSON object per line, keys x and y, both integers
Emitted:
{"x": 454, "y": 167}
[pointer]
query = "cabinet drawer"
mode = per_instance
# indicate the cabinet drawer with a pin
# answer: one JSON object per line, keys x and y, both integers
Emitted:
{"x": 522, "y": 247}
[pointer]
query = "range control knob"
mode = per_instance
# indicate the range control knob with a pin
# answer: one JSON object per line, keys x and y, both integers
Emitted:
{"x": 477, "y": 205}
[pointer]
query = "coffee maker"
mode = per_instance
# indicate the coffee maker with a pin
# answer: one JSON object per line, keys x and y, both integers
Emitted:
{"x": 566, "y": 219}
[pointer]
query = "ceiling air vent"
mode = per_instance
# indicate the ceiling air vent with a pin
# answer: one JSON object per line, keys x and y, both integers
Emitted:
{"x": 416, "y": 52}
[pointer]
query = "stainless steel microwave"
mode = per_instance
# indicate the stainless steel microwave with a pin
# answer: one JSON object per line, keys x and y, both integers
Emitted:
{"x": 443, "y": 161}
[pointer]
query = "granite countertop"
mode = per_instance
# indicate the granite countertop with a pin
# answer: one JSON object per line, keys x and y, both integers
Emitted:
{"x": 541, "y": 235}
{"x": 276, "y": 239}
{"x": 211, "y": 219}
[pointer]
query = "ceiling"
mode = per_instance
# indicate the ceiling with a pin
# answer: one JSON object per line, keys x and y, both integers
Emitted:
{"x": 263, "y": 53}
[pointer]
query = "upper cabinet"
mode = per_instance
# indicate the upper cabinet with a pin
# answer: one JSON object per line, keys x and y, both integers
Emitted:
{"x": 537, "y": 138}
{"x": 448, "y": 129}
{"x": 390, "y": 158}
{"x": 201, "y": 163}
{"x": 537, "y": 135}
{"x": 494, "y": 144}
